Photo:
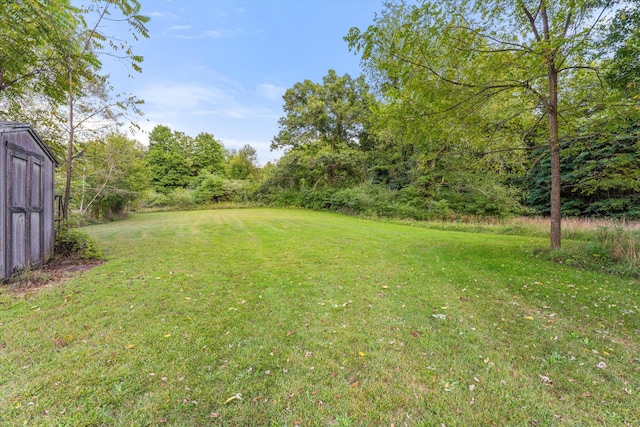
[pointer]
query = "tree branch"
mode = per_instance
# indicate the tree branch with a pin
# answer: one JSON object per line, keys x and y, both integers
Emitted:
{"x": 531, "y": 19}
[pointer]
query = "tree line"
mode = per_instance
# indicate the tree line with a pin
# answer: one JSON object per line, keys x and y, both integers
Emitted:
{"x": 466, "y": 107}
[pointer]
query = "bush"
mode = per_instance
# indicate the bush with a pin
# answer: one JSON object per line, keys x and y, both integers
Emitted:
{"x": 157, "y": 200}
{"x": 70, "y": 243}
{"x": 210, "y": 189}
{"x": 239, "y": 190}
{"x": 181, "y": 198}
{"x": 482, "y": 199}
{"x": 316, "y": 199}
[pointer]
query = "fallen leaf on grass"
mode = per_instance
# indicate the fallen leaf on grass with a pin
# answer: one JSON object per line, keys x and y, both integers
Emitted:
{"x": 238, "y": 396}
{"x": 449, "y": 386}
{"x": 545, "y": 379}
{"x": 528, "y": 317}
{"x": 361, "y": 354}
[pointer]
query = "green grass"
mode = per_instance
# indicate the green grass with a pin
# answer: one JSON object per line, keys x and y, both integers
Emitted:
{"x": 319, "y": 319}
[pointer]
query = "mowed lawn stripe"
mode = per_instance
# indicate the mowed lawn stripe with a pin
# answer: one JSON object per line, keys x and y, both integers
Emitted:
{"x": 318, "y": 319}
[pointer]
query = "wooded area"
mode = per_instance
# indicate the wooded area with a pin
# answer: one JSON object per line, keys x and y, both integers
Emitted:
{"x": 467, "y": 108}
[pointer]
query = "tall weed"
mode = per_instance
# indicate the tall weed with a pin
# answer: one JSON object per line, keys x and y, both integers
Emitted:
{"x": 622, "y": 247}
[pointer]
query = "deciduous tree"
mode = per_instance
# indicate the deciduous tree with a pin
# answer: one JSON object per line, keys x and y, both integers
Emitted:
{"x": 243, "y": 163}
{"x": 330, "y": 122}
{"x": 473, "y": 60}
{"x": 114, "y": 175}
{"x": 334, "y": 113}
{"x": 29, "y": 61}
{"x": 175, "y": 158}
{"x": 81, "y": 64}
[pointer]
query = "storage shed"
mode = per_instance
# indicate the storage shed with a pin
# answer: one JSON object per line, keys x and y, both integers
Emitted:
{"x": 26, "y": 199}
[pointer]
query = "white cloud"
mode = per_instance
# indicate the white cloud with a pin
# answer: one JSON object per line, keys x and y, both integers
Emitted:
{"x": 221, "y": 106}
{"x": 270, "y": 91}
{"x": 212, "y": 34}
{"x": 174, "y": 97}
{"x": 235, "y": 110}
{"x": 179, "y": 27}
{"x": 211, "y": 75}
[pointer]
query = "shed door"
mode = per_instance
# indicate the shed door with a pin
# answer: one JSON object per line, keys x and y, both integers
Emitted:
{"x": 24, "y": 200}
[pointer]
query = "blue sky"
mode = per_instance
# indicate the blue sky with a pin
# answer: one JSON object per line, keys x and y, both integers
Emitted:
{"x": 222, "y": 66}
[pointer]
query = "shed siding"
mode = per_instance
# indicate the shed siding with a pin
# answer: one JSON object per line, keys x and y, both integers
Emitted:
{"x": 3, "y": 206}
{"x": 48, "y": 209}
{"x": 27, "y": 199}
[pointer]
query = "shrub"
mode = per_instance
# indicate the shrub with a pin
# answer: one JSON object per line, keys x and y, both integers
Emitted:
{"x": 210, "y": 189}
{"x": 482, "y": 199}
{"x": 316, "y": 199}
{"x": 70, "y": 243}
{"x": 157, "y": 200}
{"x": 239, "y": 190}
{"x": 181, "y": 198}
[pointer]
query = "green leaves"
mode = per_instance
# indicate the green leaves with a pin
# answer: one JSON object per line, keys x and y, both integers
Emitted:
{"x": 28, "y": 57}
{"x": 114, "y": 175}
{"x": 174, "y": 158}
{"x": 333, "y": 113}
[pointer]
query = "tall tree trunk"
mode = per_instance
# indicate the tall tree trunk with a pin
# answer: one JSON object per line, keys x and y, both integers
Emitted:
{"x": 554, "y": 149}
{"x": 67, "y": 187}
{"x": 550, "y": 56}
{"x": 554, "y": 139}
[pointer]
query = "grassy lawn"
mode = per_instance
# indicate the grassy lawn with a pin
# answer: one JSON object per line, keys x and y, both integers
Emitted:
{"x": 319, "y": 319}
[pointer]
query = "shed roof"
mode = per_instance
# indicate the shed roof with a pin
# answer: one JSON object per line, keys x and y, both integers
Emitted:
{"x": 7, "y": 126}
